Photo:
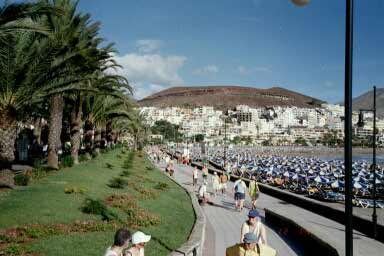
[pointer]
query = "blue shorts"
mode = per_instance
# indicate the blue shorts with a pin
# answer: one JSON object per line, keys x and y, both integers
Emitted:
{"x": 239, "y": 196}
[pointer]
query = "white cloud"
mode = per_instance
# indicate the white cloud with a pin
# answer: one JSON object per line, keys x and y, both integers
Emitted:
{"x": 148, "y": 73}
{"x": 148, "y": 45}
{"x": 207, "y": 70}
{"x": 245, "y": 70}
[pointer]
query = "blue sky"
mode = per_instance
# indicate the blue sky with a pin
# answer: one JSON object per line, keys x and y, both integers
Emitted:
{"x": 258, "y": 43}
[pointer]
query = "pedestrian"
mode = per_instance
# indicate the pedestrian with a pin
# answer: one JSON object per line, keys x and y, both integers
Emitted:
{"x": 171, "y": 168}
{"x": 254, "y": 191}
{"x": 254, "y": 225}
{"x": 223, "y": 183}
{"x": 139, "y": 240}
{"x": 250, "y": 247}
{"x": 121, "y": 242}
{"x": 167, "y": 159}
{"x": 195, "y": 175}
{"x": 239, "y": 189}
{"x": 205, "y": 173}
{"x": 203, "y": 194}
{"x": 215, "y": 183}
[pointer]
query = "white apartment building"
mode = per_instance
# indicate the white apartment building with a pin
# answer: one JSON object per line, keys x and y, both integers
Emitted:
{"x": 288, "y": 123}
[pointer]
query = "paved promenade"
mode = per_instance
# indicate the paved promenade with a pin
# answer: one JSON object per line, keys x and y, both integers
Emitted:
{"x": 224, "y": 223}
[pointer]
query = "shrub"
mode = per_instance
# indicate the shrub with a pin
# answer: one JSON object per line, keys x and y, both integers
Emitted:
{"x": 91, "y": 206}
{"x": 67, "y": 161}
{"x": 109, "y": 166}
{"x": 12, "y": 250}
{"x": 125, "y": 173}
{"x": 21, "y": 179}
{"x": 94, "y": 154}
{"x": 129, "y": 162}
{"x": 117, "y": 183}
{"x": 162, "y": 186}
{"x": 72, "y": 190}
{"x": 149, "y": 168}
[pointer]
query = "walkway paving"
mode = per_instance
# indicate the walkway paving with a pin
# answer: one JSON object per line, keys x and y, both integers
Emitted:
{"x": 223, "y": 222}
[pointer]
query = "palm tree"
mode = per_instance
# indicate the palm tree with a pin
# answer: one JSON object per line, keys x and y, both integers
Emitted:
{"x": 22, "y": 17}
{"x": 64, "y": 58}
{"x": 135, "y": 128}
{"x": 17, "y": 48}
{"x": 72, "y": 42}
{"x": 101, "y": 110}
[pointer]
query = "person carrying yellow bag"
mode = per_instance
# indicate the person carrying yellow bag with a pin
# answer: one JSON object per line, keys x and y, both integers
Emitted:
{"x": 250, "y": 247}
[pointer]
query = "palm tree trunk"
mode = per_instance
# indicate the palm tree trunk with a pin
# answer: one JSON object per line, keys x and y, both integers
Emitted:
{"x": 55, "y": 125}
{"x": 37, "y": 124}
{"x": 109, "y": 133}
{"x": 135, "y": 142}
{"x": 7, "y": 136}
{"x": 103, "y": 142}
{"x": 75, "y": 129}
{"x": 97, "y": 140}
{"x": 88, "y": 133}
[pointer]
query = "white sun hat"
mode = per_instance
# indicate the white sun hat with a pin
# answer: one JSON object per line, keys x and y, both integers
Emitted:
{"x": 140, "y": 237}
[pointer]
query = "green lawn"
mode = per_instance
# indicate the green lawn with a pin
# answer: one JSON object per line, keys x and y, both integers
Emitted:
{"x": 44, "y": 202}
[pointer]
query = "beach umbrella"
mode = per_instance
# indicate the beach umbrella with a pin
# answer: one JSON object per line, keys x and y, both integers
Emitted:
{"x": 337, "y": 184}
{"x": 302, "y": 176}
{"x": 319, "y": 179}
{"x": 357, "y": 179}
{"x": 378, "y": 175}
{"x": 295, "y": 177}
{"x": 361, "y": 173}
{"x": 357, "y": 185}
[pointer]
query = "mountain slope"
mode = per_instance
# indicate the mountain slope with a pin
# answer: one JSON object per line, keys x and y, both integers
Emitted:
{"x": 228, "y": 97}
{"x": 365, "y": 101}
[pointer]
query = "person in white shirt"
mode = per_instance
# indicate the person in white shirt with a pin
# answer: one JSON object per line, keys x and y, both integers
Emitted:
{"x": 203, "y": 194}
{"x": 254, "y": 225}
{"x": 239, "y": 188}
{"x": 195, "y": 175}
{"x": 139, "y": 240}
{"x": 121, "y": 242}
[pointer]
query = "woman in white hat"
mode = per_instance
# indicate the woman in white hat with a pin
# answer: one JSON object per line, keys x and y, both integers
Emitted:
{"x": 139, "y": 239}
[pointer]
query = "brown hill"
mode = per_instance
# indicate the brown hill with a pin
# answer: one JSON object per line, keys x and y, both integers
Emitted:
{"x": 228, "y": 97}
{"x": 365, "y": 101}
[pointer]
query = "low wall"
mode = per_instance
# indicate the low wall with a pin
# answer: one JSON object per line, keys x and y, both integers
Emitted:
{"x": 307, "y": 240}
{"x": 195, "y": 244}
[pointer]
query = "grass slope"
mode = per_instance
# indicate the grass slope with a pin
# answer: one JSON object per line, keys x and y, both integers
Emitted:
{"x": 44, "y": 202}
